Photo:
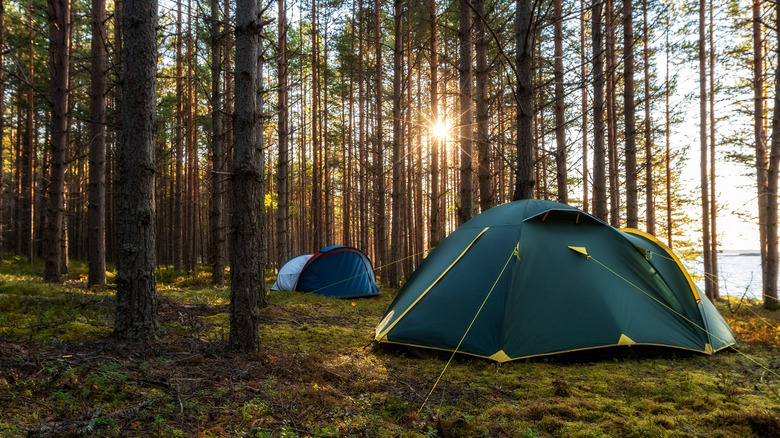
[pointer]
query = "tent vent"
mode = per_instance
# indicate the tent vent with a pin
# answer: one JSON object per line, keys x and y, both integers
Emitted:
{"x": 580, "y": 249}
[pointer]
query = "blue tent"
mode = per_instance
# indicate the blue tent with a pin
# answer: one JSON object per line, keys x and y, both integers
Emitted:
{"x": 339, "y": 272}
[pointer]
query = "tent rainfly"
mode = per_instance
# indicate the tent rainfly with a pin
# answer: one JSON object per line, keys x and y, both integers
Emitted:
{"x": 533, "y": 278}
{"x": 335, "y": 271}
{"x": 288, "y": 275}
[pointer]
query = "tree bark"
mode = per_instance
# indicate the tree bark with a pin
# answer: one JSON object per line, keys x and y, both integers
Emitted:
{"x": 649, "y": 183}
{"x": 27, "y": 154}
{"x": 668, "y": 125}
{"x": 282, "y": 185}
{"x": 562, "y": 174}
{"x": 599, "y": 150}
{"x": 178, "y": 183}
{"x": 247, "y": 288}
{"x": 2, "y": 128}
{"x": 395, "y": 269}
{"x": 59, "y": 37}
{"x": 466, "y": 208}
{"x": 136, "y": 306}
{"x": 436, "y": 216}
{"x": 584, "y": 109}
{"x": 759, "y": 133}
{"x": 96, "y": 235}
{"x": 380, "y": 233}
{"x": 524, "y": 36}
{"x": 217, "y": 245}
{"x": 632, "y": 204}
{"x": 705, "y": 192}
{"x": 771, "y": 301}
{"x": 612, "y": 132}
{"x": 713, "y": 192}
{"x": 483, "y": 133}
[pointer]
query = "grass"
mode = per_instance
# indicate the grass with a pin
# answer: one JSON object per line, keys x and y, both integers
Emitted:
{"x": 320, "y": 375}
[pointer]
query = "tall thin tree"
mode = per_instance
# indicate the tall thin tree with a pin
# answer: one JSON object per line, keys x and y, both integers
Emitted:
{"x": 282, "y": 185}
{"x": 713, "y": 178}
{"x": 524, "y": 43}
{"x": 59, "y": 36}
{"x": 216, "y": 216}
{"x": 759, "y": 132}
{"x": 465, "y": 78}
{"x": 599, "y": 149}
{"x": 629, "y": 104}
{"x": 562, "y": 174}
{"x": 705, "y": 192}
{"x": 247, "y": 283}
{"x": 481, "y": 102}
{"x": 395, "y": 269}
{"x": 96, "y": 236}
{"x": 435, "y": 231}
{"x": 136, "y": 303}
{"x": 771, "y": 301}
{"x": 649, "y": 184}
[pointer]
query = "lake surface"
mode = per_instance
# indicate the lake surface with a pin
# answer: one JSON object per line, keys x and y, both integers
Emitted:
{"x": 740, "y": 273}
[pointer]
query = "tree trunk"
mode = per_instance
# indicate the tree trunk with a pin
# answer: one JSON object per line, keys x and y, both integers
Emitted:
{"x": 705, "y": 192}
{"x": 247, "y": 288}
{"x": 178, "y": 184}
{"x": 632, "y": 204}
{"x": 562, "y": 173}
{"x": 96, "y": 236}
{"x": 713, "y": 199}
{"x": 282, "y": 185}
{"x": 436, "y": 216}
{"x": 2, "y": 129}
{"x": 762, "y": 161}
{"x": 136, "y": 306}
{"x": 483, "y": 139}
{"x": 395, "y": 269}
{"x": 362, "y": 149}
{"x": 380, "y": 233}
{"x": 599, "y": 151}
{"x": 217, "y": 245}
{"x": 584, "y": 111}
{"x": 649, "y": 189}
{"x": 59, "y": 11}
{"x": 316, "y": 184}
{"x": 27, "y": 156}
{"x": 668, "y": 125}
{"x": 771, "y": 301}
{"x": 524, "y": 44}
{"x": 611, "y": 90}
{"x": 466, "y": 210}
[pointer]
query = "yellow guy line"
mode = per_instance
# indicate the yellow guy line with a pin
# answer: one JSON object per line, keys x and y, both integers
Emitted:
{"x": 515, "y": 250}
{"x": 683, "y": 316}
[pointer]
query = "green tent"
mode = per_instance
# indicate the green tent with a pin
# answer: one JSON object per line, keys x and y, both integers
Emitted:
{"x": 532, "y": 278}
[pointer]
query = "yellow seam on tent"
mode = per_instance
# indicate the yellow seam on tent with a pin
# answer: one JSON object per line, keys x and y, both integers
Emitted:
{"x": 576, "y": 221}
{"x": 545, "y": 216}
{"x": 401, "y": 316}
{"x": 670, "y": 253}
{"x": 574, "y": 350}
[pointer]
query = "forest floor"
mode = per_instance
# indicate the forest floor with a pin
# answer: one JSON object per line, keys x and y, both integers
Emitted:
{"x": 319, "y": 374}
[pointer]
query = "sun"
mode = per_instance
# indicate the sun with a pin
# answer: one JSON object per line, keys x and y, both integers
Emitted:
{"x": 441, "y": 129}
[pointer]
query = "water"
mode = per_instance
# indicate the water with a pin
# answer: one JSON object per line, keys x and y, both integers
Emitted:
{"x": 739, "y": 273}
